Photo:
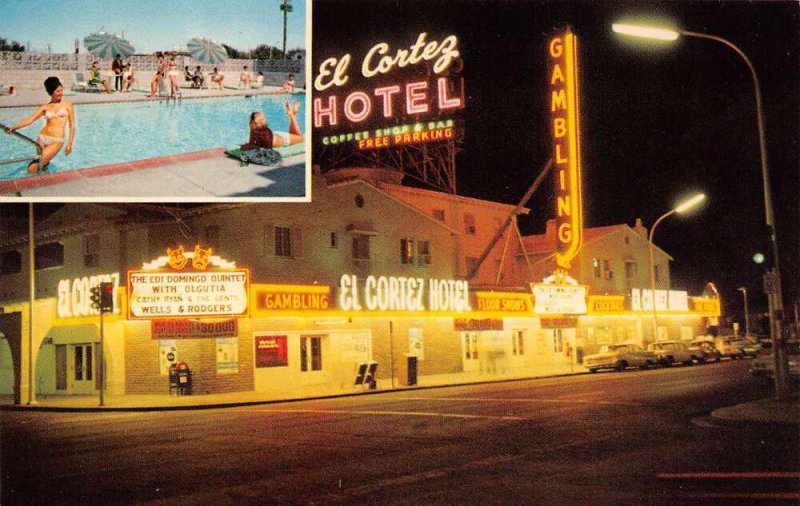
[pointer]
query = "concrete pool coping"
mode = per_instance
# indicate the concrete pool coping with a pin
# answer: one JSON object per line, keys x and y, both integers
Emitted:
{"x": 196, "y": 176}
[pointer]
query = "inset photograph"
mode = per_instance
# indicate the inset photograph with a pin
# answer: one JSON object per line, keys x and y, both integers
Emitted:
{"x": 154, "y": 102}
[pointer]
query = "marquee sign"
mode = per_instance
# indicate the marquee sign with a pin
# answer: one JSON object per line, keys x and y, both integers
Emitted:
{"x": 559, "y": 294}
{"x": 402, "y": 96}
{"x": 606, "y": 304}
{"x": 214, "y": 288}
{"x": 565, "y": 116}
{"x": 397, "y": 293}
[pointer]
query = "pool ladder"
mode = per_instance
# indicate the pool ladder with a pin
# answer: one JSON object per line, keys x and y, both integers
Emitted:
{"x": 37, "y": 158}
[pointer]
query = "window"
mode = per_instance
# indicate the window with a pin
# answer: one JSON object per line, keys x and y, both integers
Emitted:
{"x": 359, "y": 201}
{"x": 283, "y": 242}
{"x": 415, "y": 252}
{"x": 471, "y": 345}
{"x": 49, "y": 255}
{"x": 360, "y": 247}
{"x": 438, "y": 214}
{"x": 558, "y": 341}
{"x": 91, "y": 250}
{"x": 334, "y": 240}
{"x": 10, "y": 262}
{"x": 518, "y": 342}
{"x": 656, "y": 273}
{"x": 630, "y": 270}
{"x": 469, "y": 224}
{"x": 607, "y": 272}
{"x": 596, "y": 267}
{"x": 310, "y": 353}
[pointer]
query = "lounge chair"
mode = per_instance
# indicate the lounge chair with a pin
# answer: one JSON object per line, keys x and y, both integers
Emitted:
{"x": 7, "y": 90}
{"x": 79, "y": 83}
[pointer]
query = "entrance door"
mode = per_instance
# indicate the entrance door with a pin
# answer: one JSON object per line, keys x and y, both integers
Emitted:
{"x": 82, "y": 368}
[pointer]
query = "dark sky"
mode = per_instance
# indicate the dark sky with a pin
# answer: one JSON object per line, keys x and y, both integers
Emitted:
{"x": 658, "y": 122}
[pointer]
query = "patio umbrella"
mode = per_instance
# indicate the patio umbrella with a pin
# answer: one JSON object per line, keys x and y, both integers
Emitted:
{"x": 107, "y": 45}
{"x": 206, "y": 51}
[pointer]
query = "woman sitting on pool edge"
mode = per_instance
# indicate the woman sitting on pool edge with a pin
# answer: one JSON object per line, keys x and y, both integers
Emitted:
{"x": 57, "y": 114}
{"x": 261, "y": 136}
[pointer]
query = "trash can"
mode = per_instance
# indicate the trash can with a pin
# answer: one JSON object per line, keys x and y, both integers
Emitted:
{"x": 173, "y": 378}
{"x": 184, "y": 379}
{"x": 411, "y": 363}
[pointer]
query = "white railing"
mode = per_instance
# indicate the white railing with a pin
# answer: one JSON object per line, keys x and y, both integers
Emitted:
{"x": 20, "y": 60}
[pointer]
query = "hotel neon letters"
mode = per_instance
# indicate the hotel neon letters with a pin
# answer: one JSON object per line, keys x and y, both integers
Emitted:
{"x": 564, "y": 111}
{"x": 74, "y": 297}
{"x": 397, "y": 293}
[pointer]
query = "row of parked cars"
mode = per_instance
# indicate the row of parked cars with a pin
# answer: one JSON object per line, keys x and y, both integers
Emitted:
{"x": 667, "y": 353}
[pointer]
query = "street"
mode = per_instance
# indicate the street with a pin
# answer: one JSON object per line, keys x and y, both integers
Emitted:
{"x": 638, "y": 437}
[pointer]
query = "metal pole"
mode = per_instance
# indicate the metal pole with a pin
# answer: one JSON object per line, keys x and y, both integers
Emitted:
{"x": 653, "y": 271}
{"x": 101, "y": 369}
{"x": 746, "y": 312}
{"x": 391, "y": 350}
{"x": 781, "y": 364}
{"x": 31, "y": 299}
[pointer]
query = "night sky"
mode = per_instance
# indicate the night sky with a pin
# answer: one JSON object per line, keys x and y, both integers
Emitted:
{"x": 659, "y": 121}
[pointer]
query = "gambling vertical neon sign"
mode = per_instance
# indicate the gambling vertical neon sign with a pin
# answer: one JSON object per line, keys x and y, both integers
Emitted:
{"x": 564, "y": 111}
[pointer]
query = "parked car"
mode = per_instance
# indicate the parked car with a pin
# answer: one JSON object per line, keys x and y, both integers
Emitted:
{"x": 620, "y": 357}
{"x": 750, "y": 347}
{"x": 764, "y": 364}
{"x": 671, "y": 352}
{"x": 730, "y": 346}
{"x": 704, "y": 350}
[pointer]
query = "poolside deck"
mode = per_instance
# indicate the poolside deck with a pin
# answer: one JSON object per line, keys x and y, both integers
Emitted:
{"x": 28, "y": 98}
{"x": 197, "y": 176}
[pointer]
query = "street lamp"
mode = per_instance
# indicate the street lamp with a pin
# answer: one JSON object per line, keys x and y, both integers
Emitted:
{"x": 772, "y": 280}
{"x": 681, "y": 208}
{"x": 746, "y": 312}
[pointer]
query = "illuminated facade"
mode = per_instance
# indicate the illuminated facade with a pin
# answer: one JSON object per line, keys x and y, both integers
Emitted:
{"x": 288, "y": 300}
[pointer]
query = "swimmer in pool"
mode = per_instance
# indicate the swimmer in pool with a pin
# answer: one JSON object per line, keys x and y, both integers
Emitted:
{"x": 261, "y": 136}
{"x": 57, "y": 114}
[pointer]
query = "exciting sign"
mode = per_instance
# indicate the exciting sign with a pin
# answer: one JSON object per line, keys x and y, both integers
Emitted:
{"x": 397, "y": 293}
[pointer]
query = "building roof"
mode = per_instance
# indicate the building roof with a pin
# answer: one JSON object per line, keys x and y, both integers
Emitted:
{"x": 543, "y": 243}
{"x": 393, "y": 188}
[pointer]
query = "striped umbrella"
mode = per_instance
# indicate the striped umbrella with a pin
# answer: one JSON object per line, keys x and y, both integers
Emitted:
{"x": 107, "y": 45}
{"x": 206, "y": 51}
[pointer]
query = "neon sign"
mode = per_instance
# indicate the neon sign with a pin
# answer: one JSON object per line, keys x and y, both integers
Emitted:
{"x": 415, "y": 97}
{"x": 397, "y": 293}
{"x": 74, "y": 296}
{"x": 564, "y": 109}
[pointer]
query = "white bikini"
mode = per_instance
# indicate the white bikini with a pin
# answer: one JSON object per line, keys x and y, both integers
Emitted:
{"x": 46, "y": 140}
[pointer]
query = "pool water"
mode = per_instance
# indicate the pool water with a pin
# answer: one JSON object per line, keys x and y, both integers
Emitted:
{"x": 124, "y": 132}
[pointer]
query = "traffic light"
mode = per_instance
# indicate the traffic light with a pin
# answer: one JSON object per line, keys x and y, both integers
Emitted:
{"x": 95, "y": 297}
{"x": 106, "y": 297}
{"x": 762, "y": 248}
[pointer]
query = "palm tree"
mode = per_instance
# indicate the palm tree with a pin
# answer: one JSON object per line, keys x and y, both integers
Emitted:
{"x": 286, "y": 7}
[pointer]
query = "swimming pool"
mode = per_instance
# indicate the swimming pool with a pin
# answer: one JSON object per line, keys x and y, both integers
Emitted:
{"x": 128, "y": 131}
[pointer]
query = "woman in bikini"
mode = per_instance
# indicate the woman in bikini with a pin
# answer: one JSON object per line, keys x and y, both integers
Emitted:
{"x": 173, "y": 77}
{"x": 261, "y": 136}
{"x": 57, "y": 114}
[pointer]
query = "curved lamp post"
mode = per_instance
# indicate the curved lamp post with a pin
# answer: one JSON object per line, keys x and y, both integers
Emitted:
{"x": 772, "y": 280}
{"x": 685, "y": 206}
